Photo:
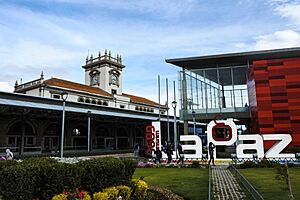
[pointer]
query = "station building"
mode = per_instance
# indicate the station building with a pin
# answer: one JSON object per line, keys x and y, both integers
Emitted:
{"x": 260, "y": 90}
{"x": 31, "y": 117}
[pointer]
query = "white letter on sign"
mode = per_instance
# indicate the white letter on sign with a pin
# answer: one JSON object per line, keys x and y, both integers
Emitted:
{"x": 274, "y": 151}
{"x": 197, "y": 147}
{"x": 258, "y": 146}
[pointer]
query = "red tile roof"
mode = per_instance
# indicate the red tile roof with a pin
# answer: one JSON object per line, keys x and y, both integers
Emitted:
{"x": 85, "y": 88}
{"x": 75, "y": 86}
{"x": 137, "y": 99}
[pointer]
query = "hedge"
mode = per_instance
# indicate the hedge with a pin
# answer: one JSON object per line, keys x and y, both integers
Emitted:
{"x": 42, "y": 178}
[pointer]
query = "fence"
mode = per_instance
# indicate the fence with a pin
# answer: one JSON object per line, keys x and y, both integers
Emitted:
{"x": 254, "y": 193}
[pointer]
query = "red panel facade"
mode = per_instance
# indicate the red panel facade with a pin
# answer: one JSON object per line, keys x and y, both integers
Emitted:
{"x": 274, "y": 97}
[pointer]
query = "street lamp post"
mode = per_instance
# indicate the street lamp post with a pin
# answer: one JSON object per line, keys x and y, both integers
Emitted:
{"x": 64, "y": 96}
{"x": 174, "y": 104}
{"x": 89, "y": 130}
{"x": 194, "y": 116}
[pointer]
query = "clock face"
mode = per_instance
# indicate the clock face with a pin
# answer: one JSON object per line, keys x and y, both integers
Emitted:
{"x": 114, "y": 79}
{"x": 94, "y": 79}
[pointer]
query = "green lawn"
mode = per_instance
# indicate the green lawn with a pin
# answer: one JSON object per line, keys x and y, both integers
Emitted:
{"x": 190, "y": 183}
{"x": 263, "y": 179}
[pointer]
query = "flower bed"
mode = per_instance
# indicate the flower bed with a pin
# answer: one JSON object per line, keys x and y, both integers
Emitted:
{"x": 136, "y": 191}
{"x": 42, "y": 178}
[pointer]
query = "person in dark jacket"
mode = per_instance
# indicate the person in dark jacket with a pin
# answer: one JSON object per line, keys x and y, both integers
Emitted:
{"x": 158, "y": 156}
{"x": 211, "y": 148}
{"x": 180, "y": 153}
{"x": 169, "y": 151}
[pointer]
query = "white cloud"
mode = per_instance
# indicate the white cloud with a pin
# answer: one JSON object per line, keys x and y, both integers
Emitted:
{"x": 20, "y": 22}
{"x": 291, "y": 11}
{"x": 6, "y": 87}
{"x": 157, "y": 8}
{"x": 279, "y": 39}
{"x": 36, "y": 54}
{"x": 240, "y": 45}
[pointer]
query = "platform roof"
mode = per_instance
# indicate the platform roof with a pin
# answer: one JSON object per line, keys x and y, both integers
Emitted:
{"x": 26, "y": 101}
{"x": 233, "y": 59}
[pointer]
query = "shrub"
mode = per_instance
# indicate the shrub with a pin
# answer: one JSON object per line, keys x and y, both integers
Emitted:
{"x": 60, "y": 197}
{"x": 130, "y": 166}
{"x": 112, "y": 192}
{"x": 39, "y": 160}
{"x": 267, "y": 163}
{"x": 101, "y": 173}
{"x": 195, "y": 164}
{"x": 100, "y": 196}
{"x": 124, "y": 192}
{"x": 139, "y": 189}
{"x": 42, "y": 178}
{"x": 7, "y": 163}
{"x": 292, "y": 165}
{"x": 248, "y": 164}
{"x": 55, "y": 178}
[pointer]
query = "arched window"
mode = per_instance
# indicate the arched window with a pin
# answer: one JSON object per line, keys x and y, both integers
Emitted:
{"x": 79, "y": 137}
{"x": 80, "y": 99}
{"x": 15, "y": 133}
{"x": 103, "y": 138}
{"x": 51, "y": 137}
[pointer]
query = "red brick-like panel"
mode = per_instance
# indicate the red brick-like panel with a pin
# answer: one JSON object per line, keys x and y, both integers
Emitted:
{"x": 277, "y": 96}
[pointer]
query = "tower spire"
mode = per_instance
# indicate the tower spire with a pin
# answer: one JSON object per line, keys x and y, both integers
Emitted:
{"x": 42, "y": 75}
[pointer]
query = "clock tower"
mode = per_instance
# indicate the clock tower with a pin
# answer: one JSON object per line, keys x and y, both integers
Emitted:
{"x": 104, "y": 72}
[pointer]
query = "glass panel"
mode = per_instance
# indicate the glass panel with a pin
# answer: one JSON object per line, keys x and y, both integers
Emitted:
{"x": 240, "y": 86}
{"x": 225, "y": 80}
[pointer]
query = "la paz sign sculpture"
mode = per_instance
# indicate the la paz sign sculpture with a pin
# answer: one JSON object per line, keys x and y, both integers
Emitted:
{"x": 243, "y": 142}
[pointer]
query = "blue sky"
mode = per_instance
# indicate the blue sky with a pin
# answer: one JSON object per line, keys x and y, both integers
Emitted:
{"x": 56, "y": 36}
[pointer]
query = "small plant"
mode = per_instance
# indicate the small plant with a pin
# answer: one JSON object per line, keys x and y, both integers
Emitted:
{"x": 139, "y": 189}
{"x": 267, "y": 163}
{"x": 112, "y": 192}
{"x": 248, "y": 164}
{"x": 124, "y": 192}
{"x": 100, "y": 196}
{"x": 283, "y": 175}
{"x": 195, "y": 164}
{"x": 73, "y": 195}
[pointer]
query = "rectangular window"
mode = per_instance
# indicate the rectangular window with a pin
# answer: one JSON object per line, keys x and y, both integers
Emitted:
{"x": 56, "y": 96}
{"x": 122, "y": 106}
{"x": 114, "y": 91}
{"x": 29, "y": 141}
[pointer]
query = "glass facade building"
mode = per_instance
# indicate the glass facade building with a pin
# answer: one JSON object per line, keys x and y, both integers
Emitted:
{"x": 216, "y": 90}
{"x": 260, "y": 90}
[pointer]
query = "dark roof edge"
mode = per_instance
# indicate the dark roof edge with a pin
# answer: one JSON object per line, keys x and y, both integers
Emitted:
{"x": 248, "y": 54}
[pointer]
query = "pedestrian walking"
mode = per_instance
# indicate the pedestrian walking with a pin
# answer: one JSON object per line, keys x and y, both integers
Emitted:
{"x": 136, "y": 149}
{"x": 9, "y": 154}
{"x": 211, "y": 148}
{"x": 169, "y": 151}
{"x": 180, "y": 153}
{"x": 158, "y": 156}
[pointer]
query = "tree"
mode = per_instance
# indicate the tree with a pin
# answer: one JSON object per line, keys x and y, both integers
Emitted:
{"x": 283, "y": 174}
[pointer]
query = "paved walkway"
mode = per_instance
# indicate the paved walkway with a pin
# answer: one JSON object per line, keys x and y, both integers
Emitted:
{"x": 225, "y": 185}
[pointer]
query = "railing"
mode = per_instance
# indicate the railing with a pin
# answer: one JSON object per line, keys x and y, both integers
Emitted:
{"x": 28, "y": 84}
{"x": 254, "y": 193}
{"x": 209, "y": 183}
{"x": 104, "y": 57}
